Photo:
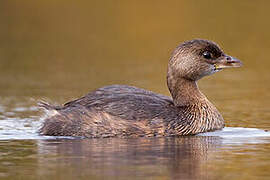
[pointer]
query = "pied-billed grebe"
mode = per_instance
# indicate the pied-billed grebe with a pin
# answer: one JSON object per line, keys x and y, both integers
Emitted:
{"x": 120, "y": 110}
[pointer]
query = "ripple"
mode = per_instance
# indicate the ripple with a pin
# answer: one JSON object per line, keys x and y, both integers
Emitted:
{"x": 232, "y": 132}
{"x": 240, "y": 135}
{"x": 27, "y": 128}
{"x": 23, "y": 129}
{"x": 13, "y": 128}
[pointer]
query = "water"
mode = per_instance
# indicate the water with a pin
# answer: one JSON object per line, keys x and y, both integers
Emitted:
{"x": 57, "y": 51}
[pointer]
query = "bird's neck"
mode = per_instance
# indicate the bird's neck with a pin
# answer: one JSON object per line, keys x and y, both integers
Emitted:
{"x": 195, "y": 108}
{"x": 186, "y": 92}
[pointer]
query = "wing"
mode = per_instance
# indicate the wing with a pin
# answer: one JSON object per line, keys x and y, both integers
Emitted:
{"x": 127, "y": 102}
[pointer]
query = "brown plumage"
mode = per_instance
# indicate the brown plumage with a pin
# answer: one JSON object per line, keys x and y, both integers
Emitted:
{"x": 120, "y": 110}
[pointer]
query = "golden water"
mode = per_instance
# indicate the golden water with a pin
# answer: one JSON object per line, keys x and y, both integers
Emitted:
{"x": 60, "y": 50}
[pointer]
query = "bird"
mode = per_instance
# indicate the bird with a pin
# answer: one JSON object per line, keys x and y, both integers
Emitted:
{"x": 128, "y": 111}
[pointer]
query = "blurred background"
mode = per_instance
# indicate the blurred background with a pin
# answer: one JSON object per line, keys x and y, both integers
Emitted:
{"x": 58, "y": 50}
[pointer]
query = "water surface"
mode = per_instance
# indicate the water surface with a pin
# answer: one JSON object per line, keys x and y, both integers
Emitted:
{"x": 57, "y": 51}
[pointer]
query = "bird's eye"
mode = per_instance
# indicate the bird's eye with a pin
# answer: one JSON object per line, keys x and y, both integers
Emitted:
{"x": 207, "y": 55}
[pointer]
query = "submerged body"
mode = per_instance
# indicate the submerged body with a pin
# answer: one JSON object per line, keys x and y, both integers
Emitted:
{"x": 123, "y": 111}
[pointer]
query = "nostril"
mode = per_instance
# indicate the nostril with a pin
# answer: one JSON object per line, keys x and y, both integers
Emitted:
{"x": 229, "y": 59}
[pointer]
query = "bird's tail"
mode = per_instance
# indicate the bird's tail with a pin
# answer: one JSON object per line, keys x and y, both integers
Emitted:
{"x": 47, "y": 106}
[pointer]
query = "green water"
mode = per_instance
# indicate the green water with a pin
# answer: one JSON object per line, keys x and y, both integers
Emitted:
{"x": 59, "y": 50}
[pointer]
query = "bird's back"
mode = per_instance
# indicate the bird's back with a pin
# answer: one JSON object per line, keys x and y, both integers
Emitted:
{"x": 115, "y": 110}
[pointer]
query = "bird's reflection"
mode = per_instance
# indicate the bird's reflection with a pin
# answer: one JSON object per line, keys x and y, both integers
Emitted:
{"x": 176, "y": 158}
